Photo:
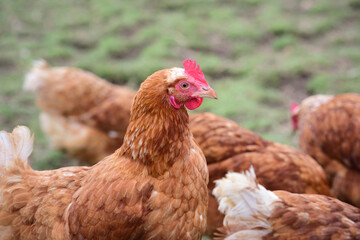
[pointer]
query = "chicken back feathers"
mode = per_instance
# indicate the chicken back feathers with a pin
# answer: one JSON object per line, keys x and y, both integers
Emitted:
{"x": 32, "y": 203}
{"x": 153, "y": 187}
{"x": 329, "y": 130}
{"x": 231, "y": 147}
{"x": 79, "y": 97}
{"x": 73, "y": 92}
{"x": 252, "y": 212}
{"x": 278, "y": 167}
{"x": 221, "y": 138}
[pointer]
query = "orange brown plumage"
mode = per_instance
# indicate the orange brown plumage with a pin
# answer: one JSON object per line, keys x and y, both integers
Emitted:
{"x": 73, "y": 101}
{"x": 329, "y": 130}
{"x": 220, "y": 138}
{"x": 252, "y": 212}
{"x": 153, "y": 187}
{"x": 230, "y": 147}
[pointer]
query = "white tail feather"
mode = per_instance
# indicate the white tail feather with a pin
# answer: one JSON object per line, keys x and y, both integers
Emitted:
{"x": 15, "y": 145}
{"x": 246, "y": 204}
{"x": 34, "y": 78}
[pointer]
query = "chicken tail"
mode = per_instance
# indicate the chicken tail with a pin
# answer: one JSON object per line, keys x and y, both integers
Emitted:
{"x": 35, "y": 77}
{"x": 246, "y": 205}
{"x": 15, "y": 149}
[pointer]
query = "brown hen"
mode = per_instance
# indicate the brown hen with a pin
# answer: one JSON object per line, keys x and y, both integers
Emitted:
{"x": 153, "y": 187}
{"x": 221, "y": 138}
{"x": 329, "y": 131}
{"x": 252, "y": 212}
{"x": 230, "y": 147}
{"x": 81, "y": 113}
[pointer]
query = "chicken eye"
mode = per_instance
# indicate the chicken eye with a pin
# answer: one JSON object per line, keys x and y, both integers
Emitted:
{"x": 184, "y": 85}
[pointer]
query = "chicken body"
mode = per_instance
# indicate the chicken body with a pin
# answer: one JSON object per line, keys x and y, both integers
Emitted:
{"x": 153, "y": 187}
{"x": 329, "y": 131}
{"x": 74, "y": 101}
{"x": 230, "y": 147}
{"x": 221, "y": 138}
{"x": 252, "y": 212}
{"x": 33, "y": 203}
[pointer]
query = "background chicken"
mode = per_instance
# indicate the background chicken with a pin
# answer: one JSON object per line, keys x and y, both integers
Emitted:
{"x": 83, "y": 142}
{"x": 230, "y": 147}
{"x": 81, "y": 113}
{"x": 221, "y": 138}
{"x": 252, "y": 212}
{"x": 329, "y": 131}
{"x": 153, "y": 187}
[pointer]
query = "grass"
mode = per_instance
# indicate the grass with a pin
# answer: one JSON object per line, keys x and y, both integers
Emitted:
{"x": 259, "y": 55}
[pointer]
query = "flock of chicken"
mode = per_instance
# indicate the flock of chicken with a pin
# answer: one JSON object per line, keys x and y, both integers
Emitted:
{"x": 159, "y": 174}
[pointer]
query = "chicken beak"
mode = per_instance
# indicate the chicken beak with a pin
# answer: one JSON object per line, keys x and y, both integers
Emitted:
{"x": 206, "y": 92}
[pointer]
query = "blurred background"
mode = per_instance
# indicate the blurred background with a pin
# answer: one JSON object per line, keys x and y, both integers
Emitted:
{"x": 260, "y": 56}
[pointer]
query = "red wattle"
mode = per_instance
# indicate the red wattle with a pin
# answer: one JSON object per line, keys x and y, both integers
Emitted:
{"x": 193, "y": 103}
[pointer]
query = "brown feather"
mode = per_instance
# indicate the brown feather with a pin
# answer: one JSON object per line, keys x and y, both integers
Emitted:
{"x": 233, "y": 148}
{"x": 329, "y": 131}
{"x": 308, "y": 216}
{"x": 252, "y": 212}
{"x": 138, "y": 192}
{"x": 86, "y": 115}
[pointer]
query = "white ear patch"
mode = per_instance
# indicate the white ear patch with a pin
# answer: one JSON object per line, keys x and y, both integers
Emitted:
{"x": 176, "y": 73}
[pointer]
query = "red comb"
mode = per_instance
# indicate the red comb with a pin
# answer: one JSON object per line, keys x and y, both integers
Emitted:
{"x": 294, "y": 105}
{"x": 193, "y": 70}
